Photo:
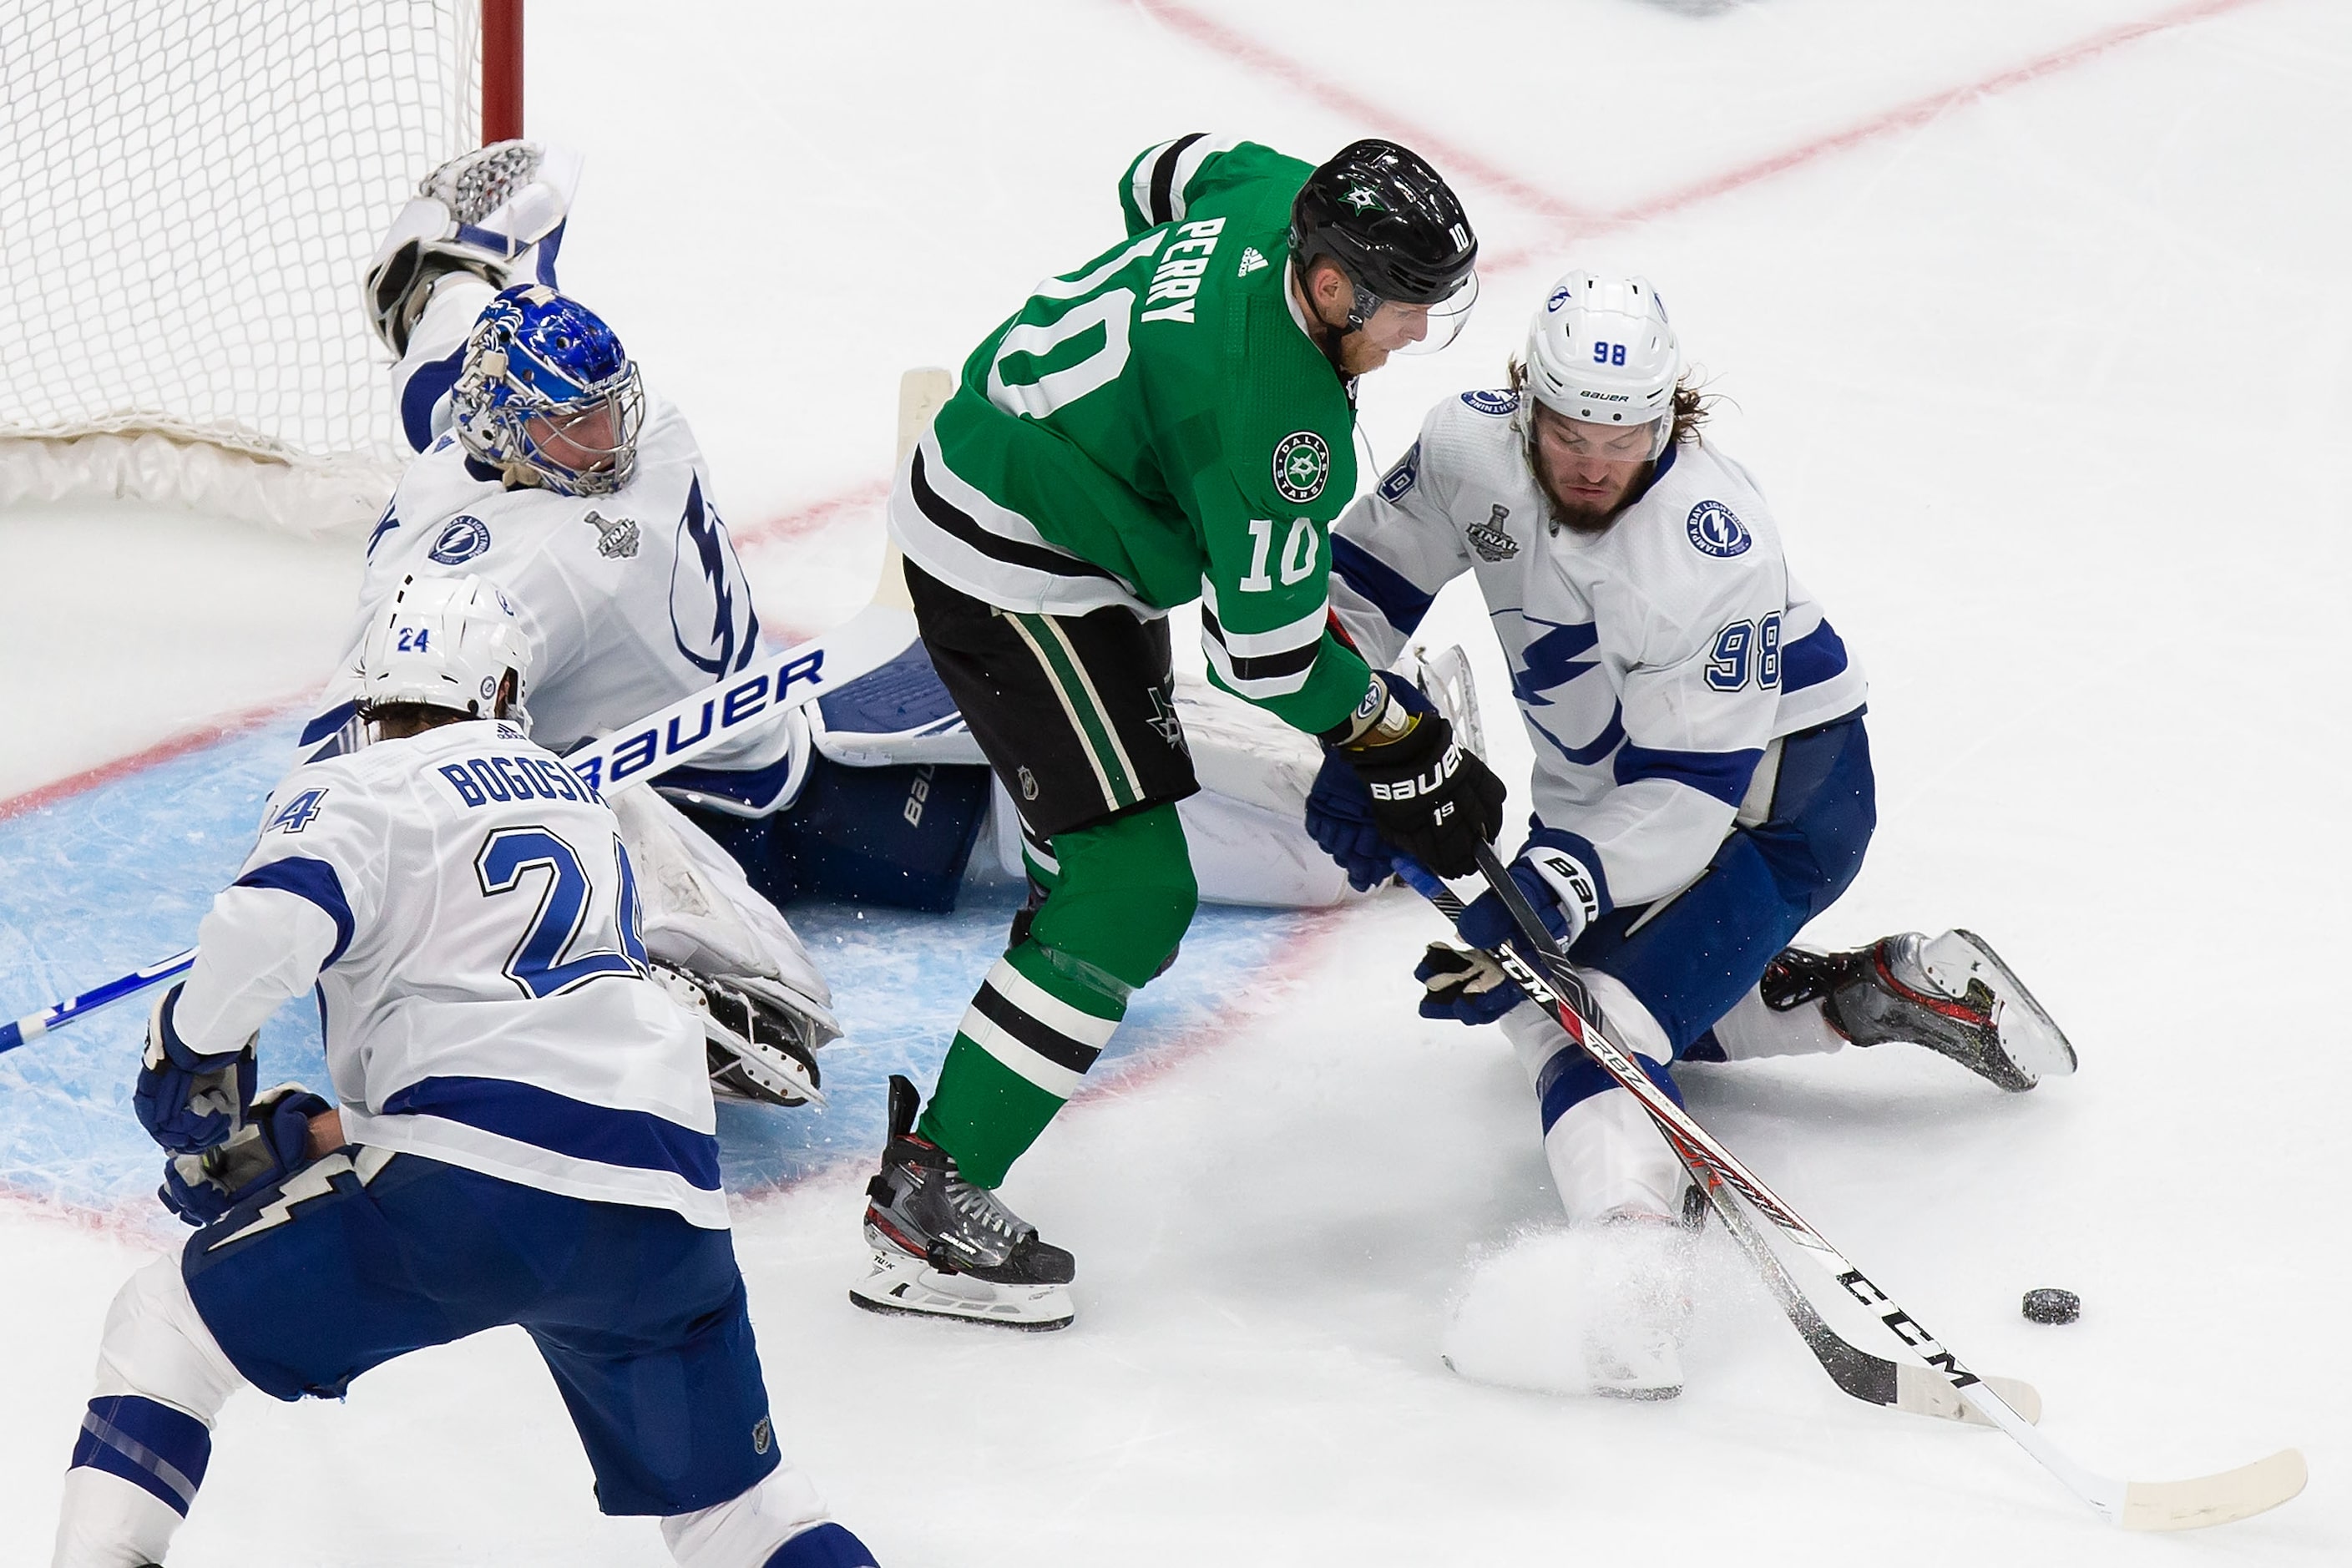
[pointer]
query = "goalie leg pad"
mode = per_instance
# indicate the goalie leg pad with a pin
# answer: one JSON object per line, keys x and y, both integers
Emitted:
{"x": 898, "y": 836}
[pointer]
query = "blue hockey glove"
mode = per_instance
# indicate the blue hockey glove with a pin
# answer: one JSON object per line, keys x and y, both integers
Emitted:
{"x": 1466, "y": 986}
{"x": 1339, "y": 818}
{"x": 1557, "y": 884}
{"x": 273, "y": 1144}
{"x": 187, "y": 1101}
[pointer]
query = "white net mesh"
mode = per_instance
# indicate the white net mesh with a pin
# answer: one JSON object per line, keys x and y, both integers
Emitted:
{"x": 190, "y": 191}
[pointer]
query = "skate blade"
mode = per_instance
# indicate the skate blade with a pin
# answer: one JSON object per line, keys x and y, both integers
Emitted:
{"x": 908, "y": 1287}
{"x": 2029, "y": 1036}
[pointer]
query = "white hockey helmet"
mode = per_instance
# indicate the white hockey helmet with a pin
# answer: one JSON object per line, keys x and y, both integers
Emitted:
{"x": 448, "y": 642}
{"x": 1601, "y": 351}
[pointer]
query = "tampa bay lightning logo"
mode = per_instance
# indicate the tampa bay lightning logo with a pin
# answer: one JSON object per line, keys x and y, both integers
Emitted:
{"x": 1403, "y": 476}
{"x": 462, "y": 538}
{"x": 1716, "y": 530}
{"x": 1559, "y": 297}
{"x": 709, "y": 604}
{"x": 1495, "y": 403}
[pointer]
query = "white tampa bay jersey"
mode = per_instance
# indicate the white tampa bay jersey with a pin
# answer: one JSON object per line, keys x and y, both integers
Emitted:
{"x": 1653, "y": 664}
{"x": 628, "y": 601}
{"x": 464, "y": 905}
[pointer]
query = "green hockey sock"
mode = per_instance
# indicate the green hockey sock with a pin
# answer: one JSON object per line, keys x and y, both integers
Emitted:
{"x": 1119, "y": 906}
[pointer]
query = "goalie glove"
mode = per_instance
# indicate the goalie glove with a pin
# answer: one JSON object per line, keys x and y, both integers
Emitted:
{"x": 189, "y": 1100}
{"x": 758, "y": 1047}
{"x": 1430, "y": 798}
{"x": 273, "y": 1144}
{"x": 497, "y": 212}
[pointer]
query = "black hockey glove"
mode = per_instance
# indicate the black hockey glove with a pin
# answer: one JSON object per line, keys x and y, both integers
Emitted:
{"x": 1430, "y": 799}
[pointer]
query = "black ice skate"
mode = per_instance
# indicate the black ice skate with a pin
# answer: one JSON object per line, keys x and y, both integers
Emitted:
{"x": 1951, "y": 993}
{"x": 945, "y": 1249}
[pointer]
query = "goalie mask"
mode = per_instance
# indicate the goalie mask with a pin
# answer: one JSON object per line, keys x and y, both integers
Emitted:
{"x": 547, "y": 395}
{"x": 1601, "y": 353}
{"x": 449, "y": 643}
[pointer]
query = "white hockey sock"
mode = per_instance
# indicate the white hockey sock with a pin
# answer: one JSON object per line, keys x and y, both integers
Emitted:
{"x": 1608, "y": 1159}
{"x": 146, "y": 1437}
{"x": 745, "y": 1531}
{"x": 1606, "y": 1156}
{"x": 1752, "y": 1030}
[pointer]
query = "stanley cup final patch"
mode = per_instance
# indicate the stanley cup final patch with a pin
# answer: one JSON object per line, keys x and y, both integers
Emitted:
{"x": 1302, "y": 465}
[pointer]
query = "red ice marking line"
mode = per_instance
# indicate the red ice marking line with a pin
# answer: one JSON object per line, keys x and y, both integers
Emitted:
{"x": 220, "y": 727}
{"x": 803, "y": 521}
{"x": 1224, "y": 41}
{"x": 1259, "y": 992}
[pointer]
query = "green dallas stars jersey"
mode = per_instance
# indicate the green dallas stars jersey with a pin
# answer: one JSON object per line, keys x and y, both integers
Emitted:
{"x": 1156, "y": 426}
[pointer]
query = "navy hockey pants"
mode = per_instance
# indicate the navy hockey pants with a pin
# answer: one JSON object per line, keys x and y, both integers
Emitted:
{"x": 639, "y": 1315}
{"x": 1691, "y": 958}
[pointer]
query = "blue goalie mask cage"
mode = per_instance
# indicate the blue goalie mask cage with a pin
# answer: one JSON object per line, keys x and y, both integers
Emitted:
{"x": 539, "y": 368}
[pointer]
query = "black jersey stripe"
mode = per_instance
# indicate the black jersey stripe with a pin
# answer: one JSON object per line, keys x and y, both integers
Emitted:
{"x": 1164, "y": 179}
{"x": 1262, "y": 667}
{"x": 953, "y": 521}
{"x": 1040, "y": 1038}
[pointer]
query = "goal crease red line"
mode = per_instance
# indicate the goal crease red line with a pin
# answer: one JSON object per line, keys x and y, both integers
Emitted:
{"x": 194, "y": 738}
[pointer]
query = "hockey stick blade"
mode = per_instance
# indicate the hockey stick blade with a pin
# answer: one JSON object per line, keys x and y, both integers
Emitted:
{"x": 2179, "y": 1505}
{"x": 1873, "y": 1379}
{"x": 622, "y": 760}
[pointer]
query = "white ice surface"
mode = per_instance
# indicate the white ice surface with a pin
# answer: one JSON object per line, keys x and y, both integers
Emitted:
{"x": 2048, "y": 392}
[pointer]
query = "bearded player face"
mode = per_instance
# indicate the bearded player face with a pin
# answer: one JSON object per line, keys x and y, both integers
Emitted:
{"x": 1587, "y": 470}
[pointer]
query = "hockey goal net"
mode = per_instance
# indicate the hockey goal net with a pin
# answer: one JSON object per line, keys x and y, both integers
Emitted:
{"x": 190, "y": 191}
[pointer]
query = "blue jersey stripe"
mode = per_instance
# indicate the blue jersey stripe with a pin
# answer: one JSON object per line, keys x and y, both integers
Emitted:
{"x": 1818, "y": 655}
{"x": 1723, "y": 774}
{"x": 312, "y": 879}
{"x": 423, "y": 390}
{"x": 1391, "y": 591}
{"x": 561, "y": 1125}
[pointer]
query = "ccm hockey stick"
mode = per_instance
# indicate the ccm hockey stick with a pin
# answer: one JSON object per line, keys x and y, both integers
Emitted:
{"x": 627, "y": 757}
{"x": 1873, "y": 1379}
{"x": 2190, "y": 1504}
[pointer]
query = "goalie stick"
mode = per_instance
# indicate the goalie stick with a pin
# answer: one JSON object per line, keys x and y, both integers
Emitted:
{"x": 2190, "y": 1504}
{"x": 629, "y": 756}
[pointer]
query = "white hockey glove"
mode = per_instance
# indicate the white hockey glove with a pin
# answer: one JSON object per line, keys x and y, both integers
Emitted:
{"x": 496, "y": 213}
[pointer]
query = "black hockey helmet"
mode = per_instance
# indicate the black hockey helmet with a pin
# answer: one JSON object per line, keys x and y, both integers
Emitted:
{"x": 1390, "y": 221}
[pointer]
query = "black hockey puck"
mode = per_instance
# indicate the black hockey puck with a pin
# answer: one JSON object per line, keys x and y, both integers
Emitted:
{"x": 2051, "y": 1305}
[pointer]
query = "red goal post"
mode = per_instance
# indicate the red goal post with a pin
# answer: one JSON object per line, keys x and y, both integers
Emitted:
{"x": 190, "y": 192}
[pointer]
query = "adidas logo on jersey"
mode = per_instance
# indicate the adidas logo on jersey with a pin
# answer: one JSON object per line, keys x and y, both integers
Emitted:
{"x": 1250, "y": 261}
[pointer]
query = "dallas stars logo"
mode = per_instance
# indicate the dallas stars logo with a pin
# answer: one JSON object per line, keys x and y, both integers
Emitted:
{"x": 1363, "y": 200}
{"x": 1164, "y": 720}
{"x": 1301, "y": 465}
